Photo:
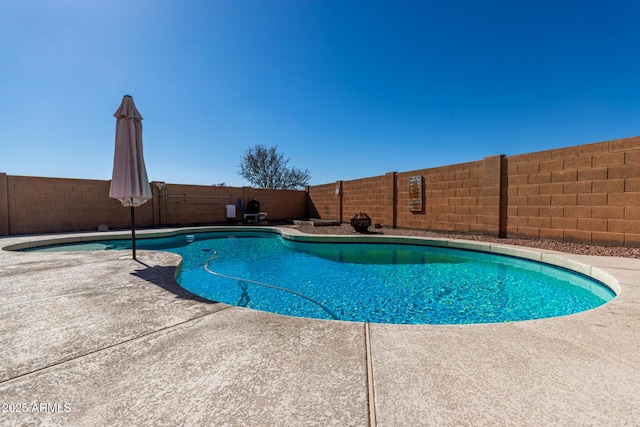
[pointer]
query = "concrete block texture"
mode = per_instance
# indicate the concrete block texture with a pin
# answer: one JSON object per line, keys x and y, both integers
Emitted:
{"x": 594, "y": 181}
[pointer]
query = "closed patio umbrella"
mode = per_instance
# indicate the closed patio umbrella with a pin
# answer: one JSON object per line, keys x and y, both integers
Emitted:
{"x": 129, "y": 182}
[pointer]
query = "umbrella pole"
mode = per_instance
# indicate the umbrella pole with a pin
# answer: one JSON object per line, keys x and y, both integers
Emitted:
{"x": 133, "y": 232}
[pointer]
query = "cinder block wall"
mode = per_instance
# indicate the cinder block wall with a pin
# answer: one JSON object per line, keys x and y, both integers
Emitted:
{"x": 194, "y": 204}
{"x": 279, "y": 204}
{"x": 48, "y": 205}
{"x": 450, "y": 198}
{"x": 30, "y": 205}
{"x": 4, "y": 205}
{"x": 366, "y": 195}
{"x": 465, "y": 197}
{"x": 325, "y": 202}
{"x": 588, "y": 193}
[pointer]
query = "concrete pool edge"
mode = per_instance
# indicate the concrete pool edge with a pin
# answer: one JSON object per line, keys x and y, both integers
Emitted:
{"x": 550, "y": 257}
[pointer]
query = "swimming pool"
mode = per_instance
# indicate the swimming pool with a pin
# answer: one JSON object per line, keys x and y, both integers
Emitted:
{"x": 371, "y": 282}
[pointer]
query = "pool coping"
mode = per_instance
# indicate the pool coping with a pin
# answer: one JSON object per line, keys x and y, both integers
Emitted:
{"x": 549, "y": 257}
{"x": 578, "y": 369}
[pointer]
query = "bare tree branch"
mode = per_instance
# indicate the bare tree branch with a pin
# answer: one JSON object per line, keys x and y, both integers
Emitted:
{"x": 266, "y": 168}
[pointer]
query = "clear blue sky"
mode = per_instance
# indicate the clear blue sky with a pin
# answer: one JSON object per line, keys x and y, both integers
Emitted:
{"x": 346, "y": 89}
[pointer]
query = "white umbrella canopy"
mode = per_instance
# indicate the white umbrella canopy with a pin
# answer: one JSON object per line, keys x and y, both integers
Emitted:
{"x": 129, "y": 182}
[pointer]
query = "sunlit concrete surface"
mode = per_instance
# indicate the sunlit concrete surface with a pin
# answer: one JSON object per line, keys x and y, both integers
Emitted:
{"x": 96, "y": 338}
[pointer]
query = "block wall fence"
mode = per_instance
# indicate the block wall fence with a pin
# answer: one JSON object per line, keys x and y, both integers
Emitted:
{"x": 30, "y": 205}
{"x": 586, "y": 194}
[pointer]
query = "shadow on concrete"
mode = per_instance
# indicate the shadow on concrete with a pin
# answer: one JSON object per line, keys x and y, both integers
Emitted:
{"x": 163, "y": 277}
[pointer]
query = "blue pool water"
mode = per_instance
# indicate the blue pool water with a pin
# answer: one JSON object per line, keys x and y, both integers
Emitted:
{"x": 381, "y": 283}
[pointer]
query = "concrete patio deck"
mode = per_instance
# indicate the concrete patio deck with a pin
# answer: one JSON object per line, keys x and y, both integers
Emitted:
{"x": 96, "y": 338}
